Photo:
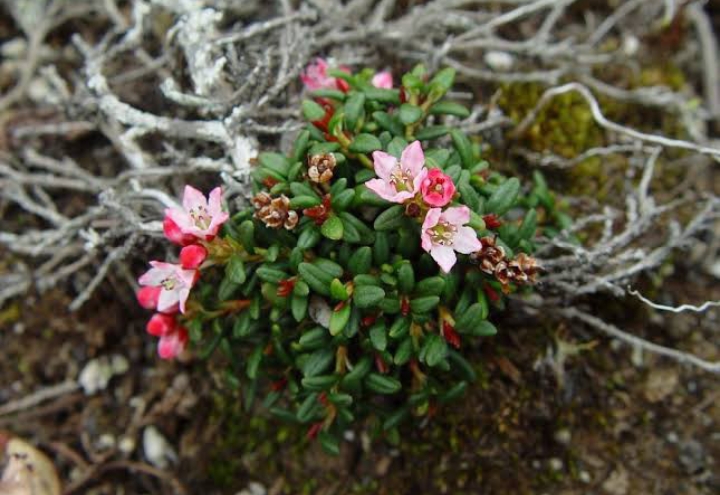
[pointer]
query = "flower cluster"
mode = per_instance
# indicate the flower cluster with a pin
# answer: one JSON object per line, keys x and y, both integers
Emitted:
{"x": 371, "y": 257}
{"x": 166, "y": 286}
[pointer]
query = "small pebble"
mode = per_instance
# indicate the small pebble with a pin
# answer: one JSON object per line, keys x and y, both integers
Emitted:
{"x": 126, "y": 445}
{"x": 585, "y": 477}
{"x": 563, "y": 436}
{"x": 556, "y": 464}
{"x": 499, "y": 61}
{"x": 630, "y": 45}
{"x": 106, "y": 441}
{"x": 158, "y": 450}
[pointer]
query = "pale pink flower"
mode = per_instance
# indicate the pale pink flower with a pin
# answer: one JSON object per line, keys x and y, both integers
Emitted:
{"x": 173, "y": 344}
{"x": 315, "y": 77}
{"x": 398, "y": 180}
{"x": 191, "y": 257}
{"x": 383, "y": 80}
{"x": 148, "y": 297}
{"x": 174, "y": 234}
{"x": 199, "y": 217}
{"x": 437, "y": 188}
{"x": 444, "y": 233}
{"x": 174, "y": 282}
{"x": 161, "y": 324}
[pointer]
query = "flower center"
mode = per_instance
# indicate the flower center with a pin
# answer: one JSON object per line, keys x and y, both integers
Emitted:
{"x": 401, "y": 179}
{"x": 201, "y": 217}
{"x": 169, "y": 283}
{"x": 443, "y": 234}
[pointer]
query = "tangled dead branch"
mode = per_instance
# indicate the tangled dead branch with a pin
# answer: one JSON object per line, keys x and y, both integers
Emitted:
{"x": 169, "y": 91}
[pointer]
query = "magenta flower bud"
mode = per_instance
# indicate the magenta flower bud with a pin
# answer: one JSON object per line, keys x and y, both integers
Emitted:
{"x": 161, "y": 324}
{"x": 437, "y": 188}
{"x": 172, "y": 345}
{"x": 174, "y": 234}
{"x": 148, "y": 297}
{"x": 191, "y": 257}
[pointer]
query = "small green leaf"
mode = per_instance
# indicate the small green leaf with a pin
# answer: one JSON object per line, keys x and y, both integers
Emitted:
{"x": 382, "y": 384}
{"x": 298, "y": 307}
{"x": 332, "y": 228}
{"x": 247, "y": 235}
{"x": 527, "y": 229}
{"x": 431, "y": 132}
{"x": 450, "y": 108}
{"x": 390, "y": 219}
{"x": 334, "y": 94}
{"x": 316, "y": 278}
{"x": 470, "y": 318}
{"x": 313, "y": 339}
{"x": 404, "y": 352}
{"x": 378, "y": 336}
{"x": 504, "y": 197}
{"x": 409, "y": 114}
{"x": 318, "y": 383}
{"x": 271, "y": 275}
{"x": 463, "y": 147}
{"x": 365, "y": 143}
{"x": 307, "y": 408}
{"x": 235, "y": 270}
{"x": 253, "y": 362}
{"x": 389, "y": 123}
{"x": 383, "y": 95}
{"x": 423, "y": 304}
{"x": 342, "y": 200}
{"x": 312, "y": 111}
{"x": 329, "y": 442}
{"x": 301, "y": 202}
{"x": 360, "y": 261}
{"x": 338, "y": 290}
{"x": 275, "y": 162}
{"x": 442, "y": 81}
{"x": 309, "y": 238}
{"x": 399, "y": 328}
{"x": 367, "y": 296}
{"x": 318, "y": 362}
{"x": 300, "y": 146}
{"x": 339, "y": 319}
{"x": 434, "y": 350}
{"x": 406, "y": 277}
{"x": 431, "y": 286}
{"x": 354, "y": 109}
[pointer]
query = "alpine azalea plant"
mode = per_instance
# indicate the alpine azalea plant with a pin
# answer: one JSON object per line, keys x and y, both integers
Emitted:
{"x": 372, "y": 257}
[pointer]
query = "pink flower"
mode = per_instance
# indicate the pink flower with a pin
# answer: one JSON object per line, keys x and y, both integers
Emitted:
{"x": 383, "y": 80}
{"x": 199, "y": 217}
{"x": 173, "y": 344}
{"x": 148, "y": 297}
{"x": 398, "y": 181}
{"x": 161, "y": 324}
{"x": 443, "y": 233}
{"x": 174, "y": 282}
{"x": 315, "y": 77}
{"x": 192, "y": 256}
{"x": 437, "y": 188}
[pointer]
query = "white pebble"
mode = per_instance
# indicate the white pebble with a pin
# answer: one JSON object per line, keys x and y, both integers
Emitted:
{"x": 158, "y": 450}
{"x": 499, "y": 61}
{"x": 97, "y": 373}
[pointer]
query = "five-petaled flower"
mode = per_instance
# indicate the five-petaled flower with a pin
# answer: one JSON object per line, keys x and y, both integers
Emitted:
{"x": 437, "y": 188}
{"x": 316, "y": 77}
{"x": 199, "y": 218}
{"x": 399, "y": 180}
{"x": 175, "y": 283}
{"x": 444, "y": 233}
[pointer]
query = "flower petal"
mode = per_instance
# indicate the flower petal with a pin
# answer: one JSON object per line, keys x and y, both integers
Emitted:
{"x": 431, "y": 218}
{"x": 384, "y": 164}
{"x": 215, "y": 202}
{"x": 444, "y": 256}
{"x": 419, "y": 179}
{"x": 458, "y": 215}
{"x": 413, "y": 158}
{"x": 167, "y": 299}
{"x": 466, "y": 241}
{"x": 383, "y": 80}
{"x": 192, "y": 198}
{"x": 387, "y": 191}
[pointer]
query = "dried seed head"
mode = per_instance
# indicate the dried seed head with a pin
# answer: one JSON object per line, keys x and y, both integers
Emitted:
{"x": 413, "y": 210}
{"x": 524, "y": 268}
{"x": 320, "y": 167}
{"x": 275, "y": 212}
{"x": 489, "y": 256}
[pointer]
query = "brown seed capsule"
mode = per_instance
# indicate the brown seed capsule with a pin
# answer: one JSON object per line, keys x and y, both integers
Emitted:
{"x": 275, "y": 212}
{"x": 412, "y": 210}
{"x": 320, "y": 167}
{"x": 525, "y": 268}
{"x": 489, "y": 255}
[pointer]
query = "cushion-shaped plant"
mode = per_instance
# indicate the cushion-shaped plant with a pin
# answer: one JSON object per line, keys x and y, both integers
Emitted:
{"x": 372, "y": 254}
